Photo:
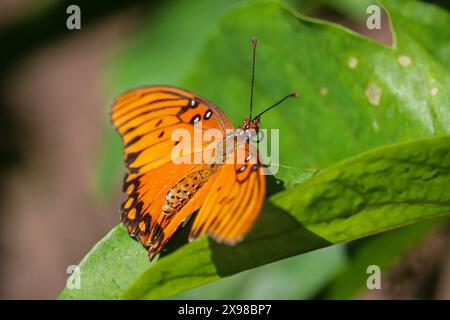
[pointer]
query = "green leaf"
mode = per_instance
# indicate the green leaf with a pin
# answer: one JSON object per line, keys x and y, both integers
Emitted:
{"x": 342, "y": 111}
{"x": 371, "y": 193}
{"x": 353, "y": 111}
{"x": 110, "y": 267}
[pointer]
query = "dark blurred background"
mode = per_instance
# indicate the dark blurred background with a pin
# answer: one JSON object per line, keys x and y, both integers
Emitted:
{"x": 54, "y": 100}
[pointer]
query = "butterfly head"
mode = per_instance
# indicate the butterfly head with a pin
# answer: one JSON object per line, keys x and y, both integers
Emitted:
{"x": 250, "y": 124}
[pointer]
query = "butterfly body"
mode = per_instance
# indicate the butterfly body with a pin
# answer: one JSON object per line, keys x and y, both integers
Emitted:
{"x": 186, "y": 188}
{"x": 232, "y": 142}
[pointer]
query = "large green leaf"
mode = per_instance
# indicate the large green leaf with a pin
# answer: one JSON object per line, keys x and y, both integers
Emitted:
{"x": 377, "y": 102}
{"x": 371, "y": 193}
{"x": 357, "y": 95}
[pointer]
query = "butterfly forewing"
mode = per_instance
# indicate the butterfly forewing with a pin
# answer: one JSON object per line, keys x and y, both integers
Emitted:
{"x": 146, "y": 118}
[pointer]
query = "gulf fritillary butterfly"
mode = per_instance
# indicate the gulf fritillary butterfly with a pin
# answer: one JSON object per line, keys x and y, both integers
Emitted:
{"x": 162, "y": 194}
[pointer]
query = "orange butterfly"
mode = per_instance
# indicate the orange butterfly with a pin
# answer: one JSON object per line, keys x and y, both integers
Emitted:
{"x": 162, "y": 194}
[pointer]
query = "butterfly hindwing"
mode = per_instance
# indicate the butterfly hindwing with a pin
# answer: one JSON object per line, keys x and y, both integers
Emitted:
{"x": 234, "y": 201}
{"x": 142, "y": 212}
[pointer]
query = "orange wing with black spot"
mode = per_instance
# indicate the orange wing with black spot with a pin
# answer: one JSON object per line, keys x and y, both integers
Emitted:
{"x": 146, "y": 118}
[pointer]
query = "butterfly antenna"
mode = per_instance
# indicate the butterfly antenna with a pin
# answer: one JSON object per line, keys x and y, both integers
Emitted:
{"x": 292, "y": 95}
{"x": 253, "y": 75}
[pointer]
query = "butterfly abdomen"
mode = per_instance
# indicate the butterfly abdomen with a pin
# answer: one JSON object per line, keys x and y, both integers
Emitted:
{"x": 186, "y": 188}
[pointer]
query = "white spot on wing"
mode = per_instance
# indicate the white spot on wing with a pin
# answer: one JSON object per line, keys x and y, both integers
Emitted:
{"x": 434, "y": 91}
